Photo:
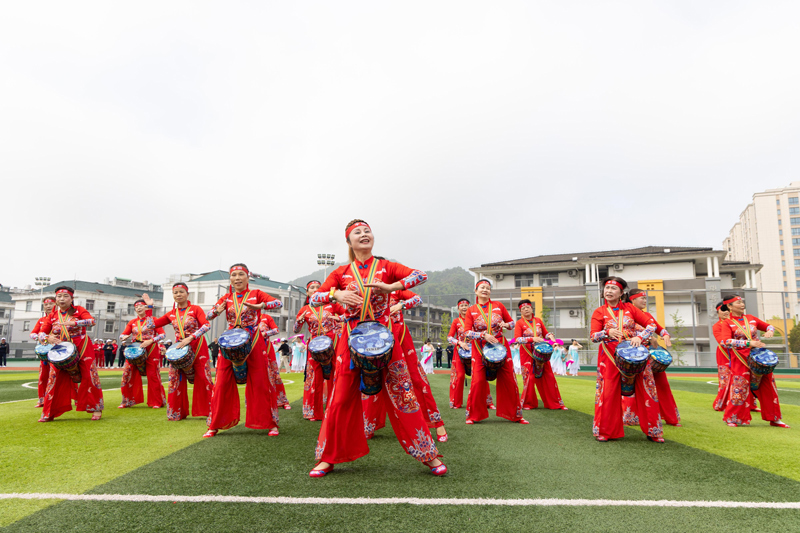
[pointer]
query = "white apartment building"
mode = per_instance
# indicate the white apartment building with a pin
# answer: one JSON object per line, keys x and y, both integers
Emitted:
{"x": 768, "y": 232}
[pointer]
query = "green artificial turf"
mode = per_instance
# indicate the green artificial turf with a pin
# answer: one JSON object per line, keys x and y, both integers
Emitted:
{"x": 553, "y": 457}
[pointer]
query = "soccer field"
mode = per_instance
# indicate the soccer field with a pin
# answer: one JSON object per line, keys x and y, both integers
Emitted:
{"x": 73, "y": 474}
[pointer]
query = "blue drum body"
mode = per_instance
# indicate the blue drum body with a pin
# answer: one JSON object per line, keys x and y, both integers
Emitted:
{"x": 321, "y": 350}
{"x": 541, "y": 353}
{"x": 182, "y": 359}
{"x": 761, "y": 362}
{"x": 660, "y": 359}
{"x": 466, "y": 359}
{"x": 137, "y": 356}
{"x": 65, "y": 356}
{"x": 42, "y": 350}
{"x": 234, "y": 344}
{"x": 371, "y": 346}
{"x": 630, "y": 361}
{"x": 494, "y": 357}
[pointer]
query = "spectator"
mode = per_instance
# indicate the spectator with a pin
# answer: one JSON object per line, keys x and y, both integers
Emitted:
{"x": 121, "y": 355}
{"x": 286, "y": 356}
{"x": 3, "y": 352}
{"x": 449, "y": 351}
{"x": 439, "y": 354}
{"x": 213, "y": 348}
{"x": 108, "y": 353}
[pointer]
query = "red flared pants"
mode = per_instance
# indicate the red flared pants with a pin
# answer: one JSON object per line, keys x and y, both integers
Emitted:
{"x": 178, "y": 392}
{"x": 60, "y": 388}
{"x": 508, "y": 403}
{"x": 132, "y": 391}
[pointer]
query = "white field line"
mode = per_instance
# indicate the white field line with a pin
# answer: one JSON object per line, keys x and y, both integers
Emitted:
{"x": 548, "y": 502}
{"x": 716, "y": 384}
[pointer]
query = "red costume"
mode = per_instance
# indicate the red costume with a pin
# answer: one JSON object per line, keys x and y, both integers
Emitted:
{"x": 548, "y": 387}
{"x": 723, "y": 369}
{"x": 99, "y": 356}
{"x": 735, "y": 335}
{"x": 608, "y": 397}
{"x": 313, "y": 387}
{"x": 457, "y": 371}
{"x": 374, "y": 409}
{"x": 58, "y": 395}
{"x": 44, "y": 366}
{"x": 475, "y": 324}
{"x": 260, "y": 397}
{"x": 341, "y": 437}
{"x": 191, "y": 322}
{"x": 267, "y": 327}
{"x": 142, "y": 329}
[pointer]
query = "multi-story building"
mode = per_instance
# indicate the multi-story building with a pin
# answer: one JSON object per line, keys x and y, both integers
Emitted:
{"x": 683, "y": 286}
{"x": 6, "y": 313}
{"x": 110, "y": 303}
{"x": 768, "y": 232}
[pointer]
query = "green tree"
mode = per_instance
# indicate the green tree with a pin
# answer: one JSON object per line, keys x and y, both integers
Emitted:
{"x": 678, "y": 333}
{"x": 794, "y": 340}
{"x": 445, "y": 329}
{"x": 546, "y": 317}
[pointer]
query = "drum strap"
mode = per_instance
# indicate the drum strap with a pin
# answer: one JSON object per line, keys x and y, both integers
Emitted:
{"x": 620, "y": 320}
{"x": 487, "y": 319}
{"x": 239, "y": 308}
{"x": 611, "y": 357}
{"x": 533, "y": 328}
{"x": 255, "y": 339}
{"x": 181, "y": 322}
{"x": 319, "y": 313}
{"x": 366, "y": 307}
{"x": 64, "y": 333}
{"x": 741, "y": 328}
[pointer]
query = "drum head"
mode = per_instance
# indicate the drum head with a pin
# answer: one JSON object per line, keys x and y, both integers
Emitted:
{"x": 320, "y": 344}
{"x": 543, "y": 348}
{"x": 633, "y": 354}
{"x": 234, "y": 337}
{"x": 61, "y": 352}
{"x": 43, "y": 349}
{"x": 464, "y": 354}
{"x": 176, "y": 354}
{"x": 371, "y": 339}
{"x": 662, "y": 356}
{"x": 133, "y": 351}
{"x": 494, "y": 352}
{"x": 764, "y": 356}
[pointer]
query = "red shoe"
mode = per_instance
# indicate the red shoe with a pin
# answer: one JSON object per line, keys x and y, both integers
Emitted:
{"x": 601, "y": 439}
{"x": 437, "y": 470}
{"x": 780, "y": 424}
{"x": 273, "y": 432}
{"x": 322, "y": 472}
{"x": 45, "y": 419}
{"x": 370, "y": 436}
{"x": 565, "y": 409}
{"x": 492, "y": 407}
{"x": 523, "y": 421}
{"x": 731, "y": 424}
{"x": 442, "y": 438}
{"x": 97, "y": 416}
{"x": 756, "y": 410}
{"x": 122, "y": 407}
{"x": 655, "y": 439}
{"x": 38, "y": 405}
{"x": 210, "y": 433}
{"x": 287, "y": 406}
{"x": 470, "y": 422}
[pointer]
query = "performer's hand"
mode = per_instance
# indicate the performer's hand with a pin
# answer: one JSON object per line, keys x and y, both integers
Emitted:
{"x": 147, "y": 299}
{"x": 380, "y": 287}
{"x": 257, "y": 307}
{"x": 184, "y": 342}
{"x": 769, "y": 334}
{"x": 615, "y": 334}
{"x": 70, "y": 323}
{"x": 52, "y": 339}
{"x": 220, "y": 308}
{"x": 538, "y": 339}
{"x": 463, "y": 345}
{"x": 147, "y": 343}
{"x": 668, "y": 341}
{"x": 395, "y": 308}
{"x": 636, "y": 341}
{"x": 350, "y": 298}
{"x": 488, "y": 337}
{"x": 757, "y": 344}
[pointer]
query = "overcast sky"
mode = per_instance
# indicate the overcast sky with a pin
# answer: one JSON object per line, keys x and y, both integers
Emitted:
{"x": 143, "y": 139}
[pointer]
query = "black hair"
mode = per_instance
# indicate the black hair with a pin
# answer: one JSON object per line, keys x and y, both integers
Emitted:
{"x": 139, "y": 301}
{"x": 633, "y": 292}
{"x": 523, "y": 302}
{"x": 729, "y": 295}
{"x": 181, "y": 284}
{"x": 463, "y": 300}
{"x": 66, "y": 288}
{"x": 239, "y": 265}
{"x": 614, "y": 278}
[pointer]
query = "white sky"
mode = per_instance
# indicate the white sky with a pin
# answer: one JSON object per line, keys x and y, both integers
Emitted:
{"x": 149, "y": 138}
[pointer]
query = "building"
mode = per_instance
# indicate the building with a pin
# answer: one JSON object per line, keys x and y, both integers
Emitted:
{"x": 768, "y": 232}
{"x": 6, "y": 313}
{"x": 110, "y": 303}
{"x": 683, "y": 286}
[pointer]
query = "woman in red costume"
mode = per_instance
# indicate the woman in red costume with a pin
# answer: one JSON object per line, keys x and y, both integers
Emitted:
{"x": 44, "y": 367}
{"x": 323, "y": 320}
{"x": 528, "y": 331}
{"x": 68, "y": 322}
{"x": 190, "y": 325}
{"x": 613, "y": 322}
{"x": 457, "y": 337}
{"x": 484, "y": 324}
{"x": 242, "y": 307}
{"x": 375, "y": 411}
{"x": 663, "y": 393}
{"x": 267, "y": 327}
{"x": 738, "y": 334}
{"x": 141, "y": 329}
{"x": 723, "y": 358}
{"x": 363, "y": 288}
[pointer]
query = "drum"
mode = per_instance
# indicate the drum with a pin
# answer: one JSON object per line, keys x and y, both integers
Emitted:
{"x": 137, "y": 356}
{"x": 182, "y": 359}
{"x": 541, "y": 353}
{"x": 660, "y": 359}
{"x": 42, "y": 350}
{"x": 466, "y": 359}
{"x": 630, "y": 361}
{"x": 65, "y": 356}
{"x": 761, "y": 362}
{"x": 494, "y": 356}
{"x": 371, "y": 346}
{"x": 235, "y": 347}
{"x": 321, "y": 350}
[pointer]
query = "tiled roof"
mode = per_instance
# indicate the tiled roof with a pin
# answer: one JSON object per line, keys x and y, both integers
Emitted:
{"x": 102, "y": 288}
{"x": 221, "y": 275}
{"x": 559, "y": 258}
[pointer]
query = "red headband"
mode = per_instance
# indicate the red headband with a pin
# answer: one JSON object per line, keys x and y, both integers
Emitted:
{"x": 64, "y": 291}
{"x": 731, "y": 300}
{"x": 52, "y": 299}
{"x": 238, "y": 267}
{"x": 486, "y": 281}
{"x": 638, "y": 295}
{"x": 354, "y": 226}
{"x": 525, "y": 305}
{"x": 310, "y": 282}
{"x": 615, "y": 282}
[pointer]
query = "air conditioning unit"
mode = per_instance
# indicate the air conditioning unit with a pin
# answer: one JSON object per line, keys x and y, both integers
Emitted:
{"x": 498, "y": 277}
{"x": 618, "y": 267}
{"x": 573, "y": 312}
{"x": 573, "y": 273}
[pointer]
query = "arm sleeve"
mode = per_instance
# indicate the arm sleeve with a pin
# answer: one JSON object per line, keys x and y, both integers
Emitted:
{"x": 409, "y": 278}
{"x": 162, "y": 321}
{"x": 545, "y": 333}
{"x": 268, "y": 301}
{"x": 726, "y": 339}
{"x": 45, "y": 328}
{"x": 505, "y": 314}
{"x": 160, "y": 336}
{"x": 321, "y": 297}
{"x": 451, "y": 335}
{"x": 128, "y": 329}
{"x": 300, "y": 320}
{"x": 468, "y": 325}
{"x": 212, "y": 313}
{"x": 84, "y": 319}
{"x": 598, "y": 332}
{"x": 764, "y": 326}
{"x": 643, "y": 319}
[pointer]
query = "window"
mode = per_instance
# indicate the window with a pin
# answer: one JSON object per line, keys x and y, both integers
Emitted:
{"x": 780, "y": 232}
{"x": 787, "y": 305}
{"x": 794, "y": 200}
{"x": 548, "y": 279}
{"x": 555, "y": 319}
{"x": 777, "y": 201}
{"x": 792, "y": 211}
{"x": 795, "y": 221}
{"x": 795, "y": 241}
{"x": 201, "y": 297}
{"x": 2, "y": 313}
{"x": 783, "y": 263}
{"x": 131, "y": 309}
{"x": 28, "y": 305}
{"x": 779, "y": 212}
{"x": 523, "y": 280}
{"x": 3, "y": 329}
{"x": 792, "y": 241}
{"x": 109, "y": 326}
{"x": 90, "y": 305}
{"x": 795, "y": 231}
{"x": 110, "y": 306}
{"x": 797, "y": 273}
{"x": 26, "y": 325}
